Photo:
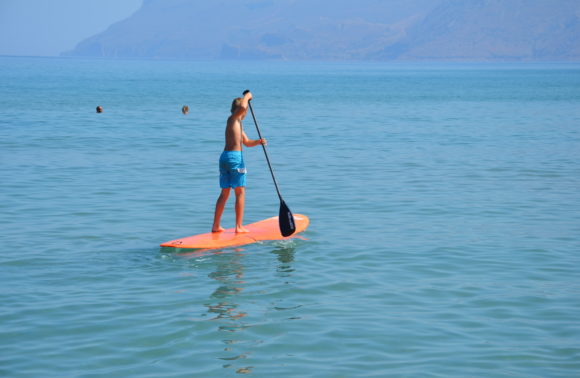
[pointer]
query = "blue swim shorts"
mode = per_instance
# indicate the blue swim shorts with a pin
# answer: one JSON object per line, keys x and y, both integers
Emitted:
{"x": 232, "y": 169}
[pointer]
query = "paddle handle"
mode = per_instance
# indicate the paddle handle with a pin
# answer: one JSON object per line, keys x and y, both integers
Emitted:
{"x": 263, "y": 147}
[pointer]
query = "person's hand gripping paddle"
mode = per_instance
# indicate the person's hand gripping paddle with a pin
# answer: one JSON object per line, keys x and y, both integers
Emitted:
{"x": 285, "y": 217}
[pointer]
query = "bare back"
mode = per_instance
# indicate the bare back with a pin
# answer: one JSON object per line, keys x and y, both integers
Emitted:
{"x": 234, "y": 134}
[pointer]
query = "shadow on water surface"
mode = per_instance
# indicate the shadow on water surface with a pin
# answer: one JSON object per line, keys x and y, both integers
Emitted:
{"x": 238, "y": 302}
{"x": 226, "y": 303}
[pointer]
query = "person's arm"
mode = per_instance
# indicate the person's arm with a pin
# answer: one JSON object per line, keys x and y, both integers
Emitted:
{"x": 252, "y": 142}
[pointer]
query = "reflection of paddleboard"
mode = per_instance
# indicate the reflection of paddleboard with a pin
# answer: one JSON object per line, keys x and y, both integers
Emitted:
{"x": 267, "y": 229}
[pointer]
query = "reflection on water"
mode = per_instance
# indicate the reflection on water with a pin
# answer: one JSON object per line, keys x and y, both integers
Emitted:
{"x": 229, "y": 273}
{"x": 285, "y": 257}
{"x": 224, "y": 305}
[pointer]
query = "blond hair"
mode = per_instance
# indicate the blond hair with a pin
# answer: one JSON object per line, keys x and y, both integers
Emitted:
{"x": 236, "y": 104}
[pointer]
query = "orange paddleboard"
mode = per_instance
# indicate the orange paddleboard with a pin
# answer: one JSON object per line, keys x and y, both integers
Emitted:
{"x": 267, "y": 229}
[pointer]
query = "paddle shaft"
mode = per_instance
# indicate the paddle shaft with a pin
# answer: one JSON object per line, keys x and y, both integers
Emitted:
{"x": 265, "y": 151}
{"x": 285, "y": 217}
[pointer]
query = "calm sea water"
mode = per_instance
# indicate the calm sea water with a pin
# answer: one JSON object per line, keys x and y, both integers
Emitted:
{"x": 444, "y": 204}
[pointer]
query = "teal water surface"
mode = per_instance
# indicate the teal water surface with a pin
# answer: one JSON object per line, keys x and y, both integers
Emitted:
{"x": 444, "y": 203}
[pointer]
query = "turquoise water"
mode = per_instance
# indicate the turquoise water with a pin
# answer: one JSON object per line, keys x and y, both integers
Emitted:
{"x": 444, "y": 203}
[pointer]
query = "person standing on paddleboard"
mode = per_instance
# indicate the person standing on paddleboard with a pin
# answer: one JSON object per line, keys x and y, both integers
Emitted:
{"x": 231, "y": 163}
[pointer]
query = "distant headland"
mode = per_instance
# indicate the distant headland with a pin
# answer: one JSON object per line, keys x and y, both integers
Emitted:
{"x": 376, "y": 30}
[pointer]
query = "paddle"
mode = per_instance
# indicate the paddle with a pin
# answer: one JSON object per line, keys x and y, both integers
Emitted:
{"x": 285, "y": 217}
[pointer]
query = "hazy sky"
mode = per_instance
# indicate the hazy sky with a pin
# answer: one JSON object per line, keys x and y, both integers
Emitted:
{"x": 49, "y": 27}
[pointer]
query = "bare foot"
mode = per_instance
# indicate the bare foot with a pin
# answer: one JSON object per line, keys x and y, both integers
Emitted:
{"x": 241, "y": 230}
{"x": 219, "y": 229}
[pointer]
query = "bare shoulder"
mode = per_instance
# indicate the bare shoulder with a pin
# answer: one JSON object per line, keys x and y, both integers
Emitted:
{"x": 233, "y": 122}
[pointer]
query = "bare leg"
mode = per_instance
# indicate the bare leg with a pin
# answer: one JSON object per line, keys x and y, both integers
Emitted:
{"x": 219, "y": 210}
{"x": 240, "y": 203}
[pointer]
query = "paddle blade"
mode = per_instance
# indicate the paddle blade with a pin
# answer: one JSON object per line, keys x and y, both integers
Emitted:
{"x": 286, "y": 219}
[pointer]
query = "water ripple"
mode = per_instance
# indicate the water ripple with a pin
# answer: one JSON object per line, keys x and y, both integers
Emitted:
{"x": 443, "y": 239}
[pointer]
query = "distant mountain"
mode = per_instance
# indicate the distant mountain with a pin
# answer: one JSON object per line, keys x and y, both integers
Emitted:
{"x": 493, "y": 30}
{"x": 344, "y": 30}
